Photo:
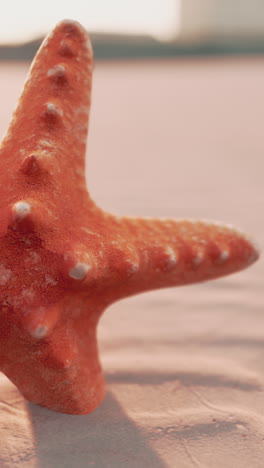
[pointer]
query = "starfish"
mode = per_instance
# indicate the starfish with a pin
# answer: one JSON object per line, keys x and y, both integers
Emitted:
{"x": 63, "y": 259}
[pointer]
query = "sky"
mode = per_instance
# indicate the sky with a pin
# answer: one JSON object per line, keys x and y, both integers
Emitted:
{"x": 21, "y": 20}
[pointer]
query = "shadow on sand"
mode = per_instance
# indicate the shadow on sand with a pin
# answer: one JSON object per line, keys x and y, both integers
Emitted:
{"x": 105, "y": 438}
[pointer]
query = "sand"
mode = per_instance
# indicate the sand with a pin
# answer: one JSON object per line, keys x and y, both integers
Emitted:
{"x": 185, "y": 372}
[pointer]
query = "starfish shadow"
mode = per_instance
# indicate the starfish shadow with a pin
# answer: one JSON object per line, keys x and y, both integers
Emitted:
{"x": 105, "y": 438}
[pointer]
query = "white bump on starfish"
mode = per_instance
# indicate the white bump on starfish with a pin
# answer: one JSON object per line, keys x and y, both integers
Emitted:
{"x": 131, "y": 259}
{"x": 223, "y": 256}
{"x": 5, "y": 275}
{"x": 66, "y": 49}
{"x": 53, "y": 110}
{"x": 132, "y": 267}
{"x": 171, "y": 258}
{"x": 58, "y": 71}
{"x": 79, "y": 271}
{"x": 198, "y": 258}
{"x": 21, "y": 210}
{"x": 30, "y": 165}
{"x": 39, "y": 332}
{"x": 66, "y": 363}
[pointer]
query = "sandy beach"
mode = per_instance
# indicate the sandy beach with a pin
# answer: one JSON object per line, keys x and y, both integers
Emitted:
{"x": 184, "y": 366}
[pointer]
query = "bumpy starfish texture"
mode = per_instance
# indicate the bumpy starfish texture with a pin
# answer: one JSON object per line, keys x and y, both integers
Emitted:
{"x": 63, "y": 259}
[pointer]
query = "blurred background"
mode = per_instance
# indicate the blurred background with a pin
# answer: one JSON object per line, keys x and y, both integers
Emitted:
{"x": 121, "y": 28}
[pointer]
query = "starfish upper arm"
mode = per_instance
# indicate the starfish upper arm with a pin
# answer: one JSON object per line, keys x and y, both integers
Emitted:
{"x": 48, "y": 133}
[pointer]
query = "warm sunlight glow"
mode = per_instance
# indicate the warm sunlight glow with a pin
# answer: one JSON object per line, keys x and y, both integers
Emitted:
{"x": 23, "y": 20}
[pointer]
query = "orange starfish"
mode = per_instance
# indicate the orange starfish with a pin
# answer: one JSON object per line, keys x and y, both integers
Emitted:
{"x": 63, "y": 259}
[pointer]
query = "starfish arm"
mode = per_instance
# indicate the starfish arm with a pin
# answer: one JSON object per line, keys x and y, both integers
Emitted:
{"x": 159, "y": 253}
{"x": 49, "y": 126}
